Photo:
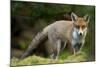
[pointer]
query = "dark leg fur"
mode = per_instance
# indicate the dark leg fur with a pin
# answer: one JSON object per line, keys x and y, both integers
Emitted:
{"x": 77, "y": 47}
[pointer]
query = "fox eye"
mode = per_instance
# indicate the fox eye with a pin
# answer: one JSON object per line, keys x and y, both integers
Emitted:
{"x": 83, "y": 27}
{"x": 77, "y": 27}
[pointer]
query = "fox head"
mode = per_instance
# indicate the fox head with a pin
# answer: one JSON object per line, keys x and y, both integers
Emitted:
{"x": 80, "y": 23}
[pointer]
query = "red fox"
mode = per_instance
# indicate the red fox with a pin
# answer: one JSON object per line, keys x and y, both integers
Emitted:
{"x": 71, "y": 33}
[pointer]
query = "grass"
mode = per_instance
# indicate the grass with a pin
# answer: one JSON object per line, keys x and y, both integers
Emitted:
{"x": 64, "y": 57}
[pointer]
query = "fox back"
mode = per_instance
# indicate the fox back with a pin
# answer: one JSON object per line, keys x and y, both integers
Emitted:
{"x": 68, "y": 29}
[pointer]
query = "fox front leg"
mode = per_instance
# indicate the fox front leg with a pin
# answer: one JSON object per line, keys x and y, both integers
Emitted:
{"x": 78, "y": 47}
{"x": 71, "y": 48}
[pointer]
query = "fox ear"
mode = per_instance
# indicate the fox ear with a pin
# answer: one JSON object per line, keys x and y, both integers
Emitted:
{"x": 73, "y": 16}
{"x": 87, "y": 18}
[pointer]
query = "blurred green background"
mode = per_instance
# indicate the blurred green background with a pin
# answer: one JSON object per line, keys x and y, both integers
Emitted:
{"x": 28, "y": 18}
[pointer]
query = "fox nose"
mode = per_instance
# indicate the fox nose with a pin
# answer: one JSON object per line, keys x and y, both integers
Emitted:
{"x": 80, "y": 34}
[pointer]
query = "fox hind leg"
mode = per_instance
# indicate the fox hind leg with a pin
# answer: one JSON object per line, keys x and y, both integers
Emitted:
{"x": 56, "y": 49}
{"x": 63, "y": 45}
{"x": 55, "y": 45}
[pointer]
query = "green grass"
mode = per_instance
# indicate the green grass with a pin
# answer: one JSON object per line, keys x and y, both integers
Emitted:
{"x": 64, "y": 57}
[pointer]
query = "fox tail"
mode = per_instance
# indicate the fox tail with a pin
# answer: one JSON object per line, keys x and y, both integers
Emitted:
{"x": 39, "y": 38}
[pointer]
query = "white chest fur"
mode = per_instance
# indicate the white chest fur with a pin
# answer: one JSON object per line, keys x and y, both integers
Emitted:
{"x": 77, "y": 38}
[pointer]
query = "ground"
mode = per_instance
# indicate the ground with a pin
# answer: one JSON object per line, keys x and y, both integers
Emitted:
{"x": 63, "y": 58}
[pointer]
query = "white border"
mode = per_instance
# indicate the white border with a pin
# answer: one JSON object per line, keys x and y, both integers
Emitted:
{"x": 5, "y": 32}
{"x": 82, "y": 2}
